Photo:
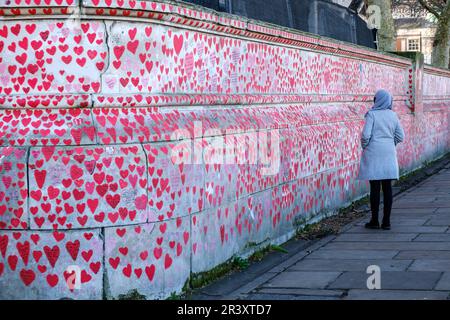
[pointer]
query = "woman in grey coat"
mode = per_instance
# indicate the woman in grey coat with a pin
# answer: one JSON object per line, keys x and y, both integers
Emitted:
{"x": 382, "y": 132}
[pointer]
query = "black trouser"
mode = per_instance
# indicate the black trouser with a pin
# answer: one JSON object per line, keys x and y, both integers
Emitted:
{"x": 375, "y": 188}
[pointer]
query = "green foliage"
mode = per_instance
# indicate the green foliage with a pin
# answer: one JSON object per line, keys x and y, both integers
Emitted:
{"x": 240, "y": 263}
{"x": 174, "y": 296}
{"x": 278, "y": 248}
{"x": 202, "y": 279}
{"x": 132, "y": 295}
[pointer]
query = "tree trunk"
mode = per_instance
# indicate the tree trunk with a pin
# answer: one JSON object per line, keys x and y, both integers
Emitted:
{"x": 386, "y": 33}
{"x": 441, "y": 44}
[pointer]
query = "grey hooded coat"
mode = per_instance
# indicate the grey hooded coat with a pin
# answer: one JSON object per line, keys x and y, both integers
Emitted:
{"x": 382, "y": 132}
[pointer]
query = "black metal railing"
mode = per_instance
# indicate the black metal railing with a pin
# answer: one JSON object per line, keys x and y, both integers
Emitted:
{"x": 315, "y": 16}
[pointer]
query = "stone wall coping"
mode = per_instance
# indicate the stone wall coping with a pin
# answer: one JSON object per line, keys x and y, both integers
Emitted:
{"x": 188, "y": 16}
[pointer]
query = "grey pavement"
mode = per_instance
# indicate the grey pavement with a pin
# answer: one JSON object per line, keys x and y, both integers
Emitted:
{"x": 413, "y": 257}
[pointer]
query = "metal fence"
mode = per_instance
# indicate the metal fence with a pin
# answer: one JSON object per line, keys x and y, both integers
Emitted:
{"x": 315, "y": 16}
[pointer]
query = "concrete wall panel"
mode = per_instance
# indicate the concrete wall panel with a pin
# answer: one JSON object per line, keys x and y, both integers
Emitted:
{"x": 163, "y": 140}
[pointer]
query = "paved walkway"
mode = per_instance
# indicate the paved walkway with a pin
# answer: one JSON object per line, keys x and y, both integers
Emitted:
{"x": 414, "y": 257}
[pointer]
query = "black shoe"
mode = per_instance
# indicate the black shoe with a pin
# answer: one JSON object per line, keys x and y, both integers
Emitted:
{"x": 386, "y": 226}
{"x": 372, "y": 225}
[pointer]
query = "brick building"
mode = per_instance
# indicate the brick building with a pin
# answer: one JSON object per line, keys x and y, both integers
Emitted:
{"x": 415, "y": 34}
{"x": 415, "y": 30}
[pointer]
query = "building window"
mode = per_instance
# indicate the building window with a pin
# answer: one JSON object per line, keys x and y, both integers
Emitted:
{"x": 413, "y": 45}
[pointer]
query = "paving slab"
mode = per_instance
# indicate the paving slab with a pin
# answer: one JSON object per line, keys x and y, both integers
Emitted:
{"x": 402, "y": 229}
{"x": 376, "y": 237}
{"x": 349, "y": 264}
{"x": 352, "y": 254}
{"x": 388, "y": 245}
{"x": 430, "y": 189}
{"x": 444, "y": 282}
{"x": 416, "y": 199}
{"x": 414, "y": 215}
{"x": 440, "y": 237}
{"x": 419, "y": 211}
{"x": 303, "y": 279}
{"x": 424, "y": 254}
{"x": 302, "y": 292}
{"x": 403, "y": 221}
{"x": 415, "y": 205}
{"x": 358, "y": 294}
{"x": 391, "y": 280}
{"x": 430, "y": 265}
{"x": 302, "y": 254}
{"x": 441, "y": 183}
{"x": 438, "y": 221}
{"x": 271, "y": 296}
{"x": 431, "y": 192}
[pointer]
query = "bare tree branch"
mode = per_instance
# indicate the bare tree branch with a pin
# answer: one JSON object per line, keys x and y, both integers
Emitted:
{"x": 430, "y": 8}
